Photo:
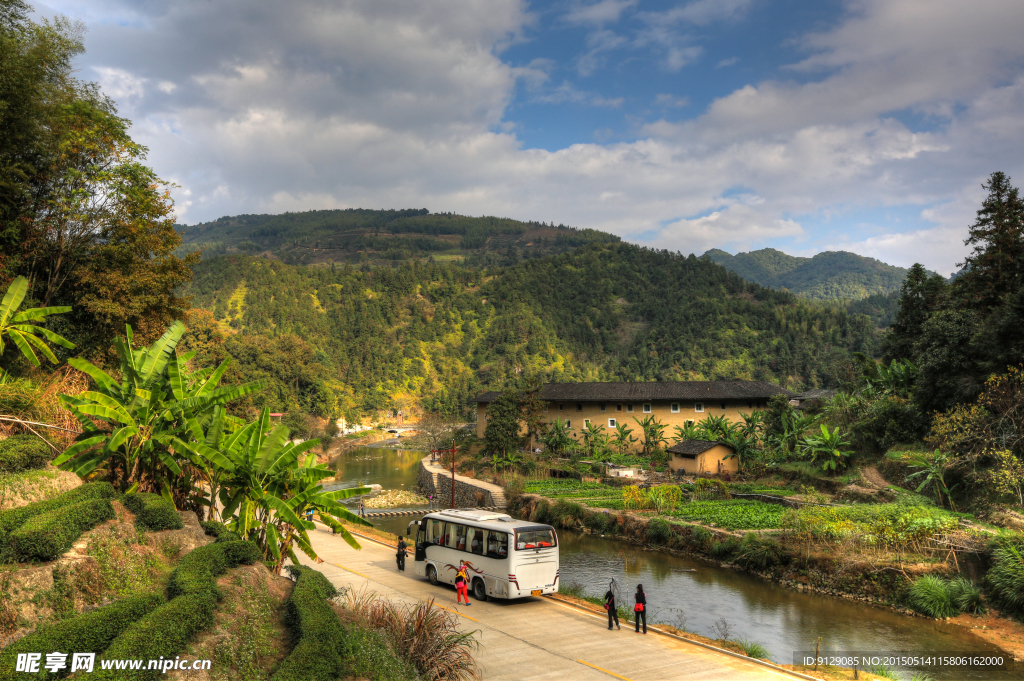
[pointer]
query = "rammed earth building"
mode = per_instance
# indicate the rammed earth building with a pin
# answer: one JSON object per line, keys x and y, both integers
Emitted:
{"x": 673, "y": 403}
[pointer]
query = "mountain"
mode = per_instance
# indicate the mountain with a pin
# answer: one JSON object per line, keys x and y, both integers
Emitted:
{"x": 388, "y": 335}
{"x": 358, "y": 235}
{"x": 830, "y": 275}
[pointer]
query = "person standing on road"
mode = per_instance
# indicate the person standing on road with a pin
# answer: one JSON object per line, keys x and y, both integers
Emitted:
{"x": 400, "y": 556}
{"x": 640, "y": 609}
{"x": 612, "y": 607}
{"x": 462, "y": 584}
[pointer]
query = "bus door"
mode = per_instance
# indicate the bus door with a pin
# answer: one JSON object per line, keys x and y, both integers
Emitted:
{"x": 420, "y": 545}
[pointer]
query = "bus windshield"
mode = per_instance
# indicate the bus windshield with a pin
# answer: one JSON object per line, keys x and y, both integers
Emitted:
{"x": 535, "y": 538}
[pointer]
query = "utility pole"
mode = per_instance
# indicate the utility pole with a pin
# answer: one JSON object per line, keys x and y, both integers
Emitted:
{"x": 453, "y": 474}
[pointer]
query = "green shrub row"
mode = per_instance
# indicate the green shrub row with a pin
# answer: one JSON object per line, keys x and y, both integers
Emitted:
{"x": 218, "y": 530}
{"x": 13, "y": 518}
{"x": 90, "y": 632}
{"x": 317, "y": 634}
{"x": 162, "y": 633}
{"x": 197, "y": 572}
{"x": 153, "y": 512}
{"x": 936, "y": 597}
{"x": 48, "y": 535}
{"x": 23, "y": 453}
{"x": 193, "y": 592}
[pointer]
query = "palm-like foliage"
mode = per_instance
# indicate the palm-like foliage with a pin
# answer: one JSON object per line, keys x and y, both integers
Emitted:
{"x": 897, "y": 379}
{"x": 595, "y": 439}
{"x": 556, "y": 438}
{"x": 654, "y": 433}
{"x": 136, "y": 429}
{"x": 689, "y": 431}
{"x": 623, "y": 438}
{"x": 21, "y": 328}
{"x": 269, "y": 484}
{"x": 934, "y": 472}
{"x": 828, "y": 449}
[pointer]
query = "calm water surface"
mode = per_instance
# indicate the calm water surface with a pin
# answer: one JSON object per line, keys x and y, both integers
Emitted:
{"x": 781, "y": 620}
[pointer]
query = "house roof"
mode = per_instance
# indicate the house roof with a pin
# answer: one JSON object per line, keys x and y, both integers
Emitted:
{"x": 694, "y": 447}
{"x": 653, "y": 391}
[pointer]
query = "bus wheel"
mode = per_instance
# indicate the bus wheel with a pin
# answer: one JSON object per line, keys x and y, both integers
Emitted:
{"x": 479, "y": 590}
{"x": 432, "y": 574}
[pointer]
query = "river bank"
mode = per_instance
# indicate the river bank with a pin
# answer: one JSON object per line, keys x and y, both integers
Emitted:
{"x": 821, "y": 573}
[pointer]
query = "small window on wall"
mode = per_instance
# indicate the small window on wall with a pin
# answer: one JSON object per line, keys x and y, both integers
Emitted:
{"x": 674, "y": 407}
{"x": 603, "y": 406}
{"x": 612, "y": 423}
{"x": 723, "y": 406}
{"x": 699, "y": 407}
{"x": 629, "y": 408}
{"x": 647, "y": 409}
{"x": 618, "y": 407}
{"x": 561, "y": 407}
{"x": 568, "y": 423}
{"x": 586, "y": 422}
{"x": 689, "y": 422}
{"x": 579, "y": 406}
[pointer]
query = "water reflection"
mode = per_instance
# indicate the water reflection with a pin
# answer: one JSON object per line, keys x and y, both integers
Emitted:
{"x": 780, "y": 619}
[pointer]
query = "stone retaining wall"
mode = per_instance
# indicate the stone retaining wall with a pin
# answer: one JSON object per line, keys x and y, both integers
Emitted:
{"x": 469, "y": 493}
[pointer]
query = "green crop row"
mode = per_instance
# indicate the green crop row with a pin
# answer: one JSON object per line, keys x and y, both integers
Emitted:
{"x": 23, "y": 453}
{"x": 48, "y": 535}
{"x": 317, "y": 634}
{"x": 153, "y": 512}
{"x": 734, "y": 514}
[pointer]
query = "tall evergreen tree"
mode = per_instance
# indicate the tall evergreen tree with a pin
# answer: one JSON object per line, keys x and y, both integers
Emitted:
{"x": 994, "y": 267}
{"x": 919, "y": 297}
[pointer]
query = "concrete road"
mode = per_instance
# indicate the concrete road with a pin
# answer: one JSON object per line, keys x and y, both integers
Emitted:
{"x": 534, "y": 638}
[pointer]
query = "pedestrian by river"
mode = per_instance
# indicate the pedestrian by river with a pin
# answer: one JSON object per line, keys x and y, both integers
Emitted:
{"x": 362, "y": 512}
{"x": 612, "y": 606}
{"x": 640, "y": 609}
{"x": 400, "y": 556}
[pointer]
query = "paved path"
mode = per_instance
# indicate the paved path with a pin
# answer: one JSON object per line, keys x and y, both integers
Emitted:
{"x": 535, "y": 638}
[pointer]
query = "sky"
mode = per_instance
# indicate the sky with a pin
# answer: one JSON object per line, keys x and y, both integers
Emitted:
{"x": 859, "y": 125}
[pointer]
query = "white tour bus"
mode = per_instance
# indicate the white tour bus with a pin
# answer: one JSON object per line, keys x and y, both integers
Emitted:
{"x": 505, "y": 558}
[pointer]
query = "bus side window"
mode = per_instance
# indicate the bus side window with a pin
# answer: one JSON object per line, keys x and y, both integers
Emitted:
{"x": 502, "y": 545}
{"x": 476, "y": 540}
{"x": 460, "y": 537}
{"x": 497, "y": 544}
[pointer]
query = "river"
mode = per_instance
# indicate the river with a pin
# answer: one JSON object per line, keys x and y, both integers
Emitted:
{"x": 697, "y": 593}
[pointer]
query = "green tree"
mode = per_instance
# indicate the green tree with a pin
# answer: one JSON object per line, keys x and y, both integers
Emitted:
{"x": 828, "y": 450}
{"x": 994, "y": 267}
{"x": 503, "y": 433}
{"x": 933, "y": 470}
{"x": 557, "y": 439}
{"x": 595, "y": 440}
{"x": 623, "y": 439}
{"x": 920, "y": 295}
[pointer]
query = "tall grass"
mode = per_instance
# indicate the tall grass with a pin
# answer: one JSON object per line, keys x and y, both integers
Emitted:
{"x": 967, "y": 596}
{"x": 760, "y": 553}
{"x": 1006, "y": 577}
{"x": 932, "y": 596}
{"x": 753, "y": 649}
{"x": 422, "y": 633}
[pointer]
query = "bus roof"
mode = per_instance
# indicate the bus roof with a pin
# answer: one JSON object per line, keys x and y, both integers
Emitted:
{"x": 487, "y": 518}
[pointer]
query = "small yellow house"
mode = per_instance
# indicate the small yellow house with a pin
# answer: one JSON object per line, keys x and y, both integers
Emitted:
{"x": 702, "y": 457}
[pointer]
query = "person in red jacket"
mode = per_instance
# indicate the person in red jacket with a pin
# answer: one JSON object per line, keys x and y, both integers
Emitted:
{"x": 462, "y": 584}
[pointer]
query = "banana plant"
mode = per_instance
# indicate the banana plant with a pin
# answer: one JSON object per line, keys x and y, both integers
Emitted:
{"x": 623, "y": 438}
{"x": 557, "y": 438}
{"x": 654, "y": 433}
{"x": 688, "y": 431}
{"x": 270, "y": 484}
{"x": 829, "y": 447}
{"x": 21, "y": 329}
{"x": 595, "y": 439}
{"x": 136, "y": 429}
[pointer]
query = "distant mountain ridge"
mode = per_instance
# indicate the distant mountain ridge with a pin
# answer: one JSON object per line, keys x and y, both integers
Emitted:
{"x": 831, "y": 275}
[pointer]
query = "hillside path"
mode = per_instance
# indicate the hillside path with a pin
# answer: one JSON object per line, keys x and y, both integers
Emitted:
{"x": 534, "y": 638}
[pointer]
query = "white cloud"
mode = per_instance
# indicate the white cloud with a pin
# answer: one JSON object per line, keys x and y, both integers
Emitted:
{"x": 728, "y": 62}
{"x": 602, "y": 12}
{"x": 665, "y": 100}
{"x": 379, "y": 103}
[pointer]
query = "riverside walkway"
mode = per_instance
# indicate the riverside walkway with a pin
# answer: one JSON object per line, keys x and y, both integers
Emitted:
{"x": 534, "y": 638}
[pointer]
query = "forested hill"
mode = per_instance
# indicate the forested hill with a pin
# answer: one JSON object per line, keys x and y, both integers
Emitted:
{"x": 373, "y": 236}
{"x": 350, "y": 339}
{"x": 831, "y": 275}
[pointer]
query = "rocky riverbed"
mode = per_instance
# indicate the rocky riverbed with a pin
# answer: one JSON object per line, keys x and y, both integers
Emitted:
{"x": 395, "y": 498}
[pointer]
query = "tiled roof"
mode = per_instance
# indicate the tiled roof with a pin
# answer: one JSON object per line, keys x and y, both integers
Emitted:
{"x": 820, "y": 394}
{"x": 693, "y": 447}
{"x": 689, "y": 391}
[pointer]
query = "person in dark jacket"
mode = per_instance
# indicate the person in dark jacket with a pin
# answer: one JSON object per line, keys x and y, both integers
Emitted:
{"x": 612, "y": 607}
{"x": 400, "y": 556}
{"x": 640, "y": 609}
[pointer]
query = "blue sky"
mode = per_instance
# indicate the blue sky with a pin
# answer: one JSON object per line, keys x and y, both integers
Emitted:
{"x": 862, "y": 125}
